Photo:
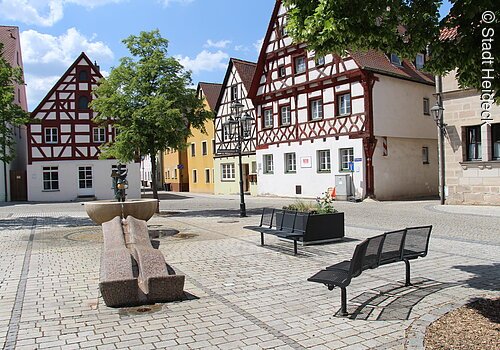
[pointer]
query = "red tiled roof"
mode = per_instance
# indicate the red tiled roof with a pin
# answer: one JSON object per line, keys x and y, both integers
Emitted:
{"x": 378, "y": 62}
{"x": 246, "y": 70}
{"x": 9, "y": 37}
{"x": 212, "y": 92}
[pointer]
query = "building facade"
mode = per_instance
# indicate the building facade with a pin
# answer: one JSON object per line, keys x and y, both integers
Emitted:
{"x": 201, "y": 146}
{"x": 176, "y": 170}
{"x": 237, "y": 83}
{"x": 13, "y": 185}
{"x": 63, "y": 143}
{"x": 356, "y": 123}
{"x": 472, "y": 147}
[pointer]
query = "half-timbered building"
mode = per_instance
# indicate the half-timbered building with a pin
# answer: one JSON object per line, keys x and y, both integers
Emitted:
{"x": 13, "y": 175}
{"x": 63, "y": 142}
{"x": 355, "y": 123}
{"x": 237, "y": 83}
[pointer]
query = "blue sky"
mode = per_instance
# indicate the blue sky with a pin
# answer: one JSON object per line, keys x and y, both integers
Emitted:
{"x": 203, "y": 34}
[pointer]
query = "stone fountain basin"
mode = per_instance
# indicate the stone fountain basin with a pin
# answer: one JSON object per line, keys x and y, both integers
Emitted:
{"x": 106, "y": 210}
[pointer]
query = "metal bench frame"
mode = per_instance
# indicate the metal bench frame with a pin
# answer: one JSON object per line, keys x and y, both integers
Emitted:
{"x": 373, "y": 252}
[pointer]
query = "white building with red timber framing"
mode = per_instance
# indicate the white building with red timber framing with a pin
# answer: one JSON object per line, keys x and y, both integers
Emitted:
{"x": 324, "y": 121}
{"x": 13, "y": 175}
{"x": 63, "y": 143}
{"x": 237, "y": 82}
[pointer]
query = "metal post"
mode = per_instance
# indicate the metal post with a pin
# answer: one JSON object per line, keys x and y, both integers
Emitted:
{"x": 243, "y": 210}
{"x": 440, "y": 122}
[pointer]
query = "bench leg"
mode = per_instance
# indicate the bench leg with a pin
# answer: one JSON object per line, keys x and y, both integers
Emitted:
{"x": 343, "y": 301}
{"x": 407, "y": 263}
{"x": 261, "y": 238}
{"x": 295, "y": 247}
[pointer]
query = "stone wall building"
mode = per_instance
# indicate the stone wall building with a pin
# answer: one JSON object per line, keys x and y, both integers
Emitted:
{"x": 472, "y": 148}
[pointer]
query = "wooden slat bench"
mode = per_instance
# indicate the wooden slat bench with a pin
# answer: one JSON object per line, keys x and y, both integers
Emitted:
{"x": 390, "y": 247}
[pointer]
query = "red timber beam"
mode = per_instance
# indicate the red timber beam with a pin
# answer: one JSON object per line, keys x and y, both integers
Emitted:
{"x": 369, "y": 142}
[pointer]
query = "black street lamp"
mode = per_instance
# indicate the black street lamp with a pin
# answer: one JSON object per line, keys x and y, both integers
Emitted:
{"x": 239, "y": 128}
{"x": 438, "y": 116}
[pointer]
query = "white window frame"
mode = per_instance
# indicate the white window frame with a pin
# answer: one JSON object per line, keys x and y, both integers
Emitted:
{"x": 193, "y": 149}
{"x": 344, "y": 102}
{"x": 52, "y": 181}
{"x": 320, "y": 61}
{"x": 87, "y": 179}
{"x": 300, "y": 64}
{"x": 324, "y": 161}
{"x": 234, "y": 92}
{"x": 425, "y": 155}
{"x": 268, "y": 118}
{"x": 395, "y": 59}
{"x": 195, "y": 176}
{"x": 290, "y": 163}
{"x": 419, "y": 61}
{"x": 207, "y": 175}
{"x": 346, "y": 155}
{"x": 281, "y": 71}
{"x": 426, "y": 106}
{"x": 286, "y": 118}
{"x": 228, "y": 172}
{"x": 226, "y": 133}
{"x": 51, "y": 135}
{"x": 316, "y": 109}
{"x": 268, "y": 161}
{"x": 99, "y": 135}
{"x": 204, "y": 148}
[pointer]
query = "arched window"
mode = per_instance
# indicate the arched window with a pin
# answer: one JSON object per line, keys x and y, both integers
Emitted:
{"x": 83, "y": 76}
{"x": 83, "y": 102}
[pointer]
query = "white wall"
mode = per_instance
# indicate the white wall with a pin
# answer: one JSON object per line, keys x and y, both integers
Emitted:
{"x": 401, "y": 174}
{"x": 398, "y": 109}
{"x": 68, "y": 180}
{"x": 313, "y": 182}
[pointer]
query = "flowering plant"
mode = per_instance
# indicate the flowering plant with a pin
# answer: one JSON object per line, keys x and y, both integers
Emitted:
{"x": 325, "y": 204}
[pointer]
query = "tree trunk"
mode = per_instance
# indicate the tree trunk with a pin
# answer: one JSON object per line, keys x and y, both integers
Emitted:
{"x": 154, "y": 180}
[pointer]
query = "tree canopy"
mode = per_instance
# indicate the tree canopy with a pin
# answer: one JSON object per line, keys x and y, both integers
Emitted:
{"x": 11, "y": 114}
{"x": 148, "y": 100}
{"x": 405, "y": 27}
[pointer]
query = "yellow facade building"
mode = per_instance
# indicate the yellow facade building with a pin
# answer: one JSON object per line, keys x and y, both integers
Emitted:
{"x": 176, "y": 170}
{"x": 201, "y": 146}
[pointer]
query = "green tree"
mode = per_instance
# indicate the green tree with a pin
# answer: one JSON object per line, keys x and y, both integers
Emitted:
{"x": 11, "y": 114}
{"x": 405, "y": 27}
{"x": 148, "y": 99}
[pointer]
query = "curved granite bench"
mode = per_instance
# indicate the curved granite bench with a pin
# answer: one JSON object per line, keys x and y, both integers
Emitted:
{"x": 154, "y": 279}
{"x": 118, "y": 282}
{"x": 132, "y": 271}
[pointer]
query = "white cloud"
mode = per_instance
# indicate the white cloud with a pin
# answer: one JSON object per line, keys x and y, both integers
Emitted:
{"x": 241, "y": 48}
{"x": 47, "y": 57}
{"x": 258, "y": 44}
{"x": 40, "y": 12}
{"x": 37, "y": 87}
{"x": 205, "y": 61}
{"x": 221, "y": 44}
{"x": 182, "y": 2}
{"x": 39, "y": 48}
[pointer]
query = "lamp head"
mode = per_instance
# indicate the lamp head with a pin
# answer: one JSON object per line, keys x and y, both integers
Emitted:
{"x": 437, "y": 112}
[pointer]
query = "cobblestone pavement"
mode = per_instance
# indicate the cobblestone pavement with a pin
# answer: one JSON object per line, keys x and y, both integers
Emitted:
{"x": 241, "y": 295}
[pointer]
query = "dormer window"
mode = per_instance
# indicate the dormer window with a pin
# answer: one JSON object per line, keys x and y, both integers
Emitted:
{"x": 83, "y": 75}
{"x": 395, "y": 59}
{"x": 419, "y": 61}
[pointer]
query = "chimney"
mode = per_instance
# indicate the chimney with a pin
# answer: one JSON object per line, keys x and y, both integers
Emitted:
{"x": 97, "y": 66}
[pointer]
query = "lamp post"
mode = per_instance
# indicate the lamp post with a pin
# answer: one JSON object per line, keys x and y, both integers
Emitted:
{"x": 437, "y": 115}
{"x": 239, "y": 127}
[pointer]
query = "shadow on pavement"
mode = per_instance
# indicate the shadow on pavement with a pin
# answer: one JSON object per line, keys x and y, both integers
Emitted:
{"x": 487, "y": 277}
{"x": 23, "y": 223}
{"x": 392, "y": 301}
{"x": 211, "y": 213}
{"x": 166, "y": 196}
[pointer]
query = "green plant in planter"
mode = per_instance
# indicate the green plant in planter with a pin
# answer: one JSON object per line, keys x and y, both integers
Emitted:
{"x": 325, "y": 204}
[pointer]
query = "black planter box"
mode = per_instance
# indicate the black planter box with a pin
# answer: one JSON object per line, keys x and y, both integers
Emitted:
{"x": 320, "y": 228}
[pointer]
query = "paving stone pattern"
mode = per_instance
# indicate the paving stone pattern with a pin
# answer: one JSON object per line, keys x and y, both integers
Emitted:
{"x": 241, "y": 295}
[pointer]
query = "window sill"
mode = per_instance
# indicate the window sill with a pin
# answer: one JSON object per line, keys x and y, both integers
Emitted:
{"x": 269, "y": 173}
{"x": 324, "y": 171}
{"x": 479, "y": 164}
{"x": 290, "y": 172}
{"x": 315, "y": 120}
{"x": 228, "y": 180}
{"x": 267, "y": 127}
{"x": 343, "y": 115}
{"x": 51, "y": 190}
{"x": 299, "y": 74}
{"x": 285, "y": 125}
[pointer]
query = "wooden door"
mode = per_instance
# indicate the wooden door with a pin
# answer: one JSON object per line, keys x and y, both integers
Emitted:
{"x": 18, "y": 186}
